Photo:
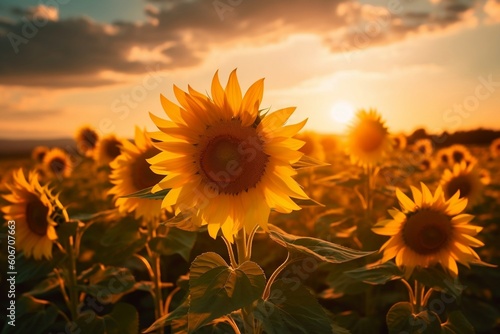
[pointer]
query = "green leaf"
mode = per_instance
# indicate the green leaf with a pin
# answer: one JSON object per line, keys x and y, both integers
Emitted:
{"x": 29, "y": 269}
{"x": 123, "y": 319}
{"x": 147, "y": 194}
{"x": 291, "y": 308}
{"x": 376, "y": 274}
{"x": 179, "y": 313}
{"x": 48, "y": 284}
{"x": 457, "y": 323}
{"x": 175, "y": 242}
{"x": 320, "y": 249}
{"x": 32, "y": 316}
{"x": 438, "y": 279}
{"x": 400, "y": 319}
{"x": 216, "y": 289}
{"x": 309, "y": 162}
{"x": 109, "y": 284}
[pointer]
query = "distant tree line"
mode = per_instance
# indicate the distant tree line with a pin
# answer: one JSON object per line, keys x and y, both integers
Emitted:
{"x": 472, "y": 137}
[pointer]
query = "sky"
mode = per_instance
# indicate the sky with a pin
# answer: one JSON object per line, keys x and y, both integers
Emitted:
{"x": 420, "y": 63}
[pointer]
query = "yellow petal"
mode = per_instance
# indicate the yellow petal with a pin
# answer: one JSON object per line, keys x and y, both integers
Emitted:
{"x": 405, "y": 202}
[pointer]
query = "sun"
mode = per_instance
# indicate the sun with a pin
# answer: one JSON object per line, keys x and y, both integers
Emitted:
{"x": 342, "y": 112}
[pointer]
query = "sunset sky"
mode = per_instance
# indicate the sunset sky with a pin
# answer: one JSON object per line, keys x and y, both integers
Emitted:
{"x": 64, "y": 63}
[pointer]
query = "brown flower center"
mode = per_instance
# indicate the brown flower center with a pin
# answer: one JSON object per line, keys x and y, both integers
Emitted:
{"x": 369, "y": 136}
{"x": 422, "y": 149}
{"x": 112, "y": 148}
{"x": 88, "y": 139}
{"x": 444, "y": 158}
{"x": 57, "y": 165}
{"x": 427, "y": 231}
{"x": 36, "y": 216}
{"x": 142, "y": 175}
{"x": 232, "y": 157}
{"x": 457, "y": 156}
{"x": 462, "y": 183}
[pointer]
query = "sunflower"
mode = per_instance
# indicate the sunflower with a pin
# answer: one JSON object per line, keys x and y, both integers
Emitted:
{"x": 107, "y": 149}
{"x": 399, "y": 141}
{"x": 312, "y": 146}
{"x": 130, "y": 172}
{"x": 443, "y": 157}
{"x": 459, "y": 153}
{"x": 495, "y": 148}
{"x": 467, "y": 179}
{"x": 226, "y": 162}
{"x": 57, "y": 163}
{"x": 429, "y": 230}
{"x": 368, "y": 138}
{"x": 36, "y": 212}
{"x": 426, "y": 164}
{"x": 38, "y": 153}
{"x": 86, "y": 140}
{"x": 423, "y": 147}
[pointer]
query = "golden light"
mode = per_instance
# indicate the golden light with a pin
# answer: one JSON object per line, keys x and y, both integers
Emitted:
{"x": 342, "y": 112}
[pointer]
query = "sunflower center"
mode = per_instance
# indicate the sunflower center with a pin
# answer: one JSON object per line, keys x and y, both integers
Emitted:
{"x": 57, "y": 165}
{"x": 422, "y": 149}
{"x": 461, "y": 183}
{"x": 112, "y": 148}
{"x": 89, "y": 139}
{"x": 370, "y": 136}
{"x": 36, "y": 216}
{"x": 142, "y": 176}
{"x": 444, "y": 158}
{"x": 427, "y": 232}
{"x": 458, "y": 156}
{"x": 232, "y": 158}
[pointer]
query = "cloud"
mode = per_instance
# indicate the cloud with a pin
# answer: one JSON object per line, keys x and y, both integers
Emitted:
{"x": 41, "y": 50}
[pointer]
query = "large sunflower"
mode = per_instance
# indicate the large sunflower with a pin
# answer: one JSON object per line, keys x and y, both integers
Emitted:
{"x": 429, "y": 230}
{"x": 86, "y": 140}
{"x": 130, "y": 172}
{"x": 107, "y": 149}
{"x": 368, "y": 138}
{"x": 225, "y": 161}
{"x": 36, "y": 213}
{"x": 467, "y": 179}
{"x": 57, "y": 163}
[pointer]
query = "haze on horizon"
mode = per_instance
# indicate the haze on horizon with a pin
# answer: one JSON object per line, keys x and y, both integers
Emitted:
{"x": 431, "y": 64}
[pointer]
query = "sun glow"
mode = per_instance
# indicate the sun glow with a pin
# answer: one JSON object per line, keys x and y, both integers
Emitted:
{"x": 342, "y": 112}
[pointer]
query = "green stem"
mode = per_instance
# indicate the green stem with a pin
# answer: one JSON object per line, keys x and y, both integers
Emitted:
{"x": 72, "y": 283}
{"x": 426, "y": 297}
{"x": 241, "y": 248}
{"x": 275, "y": 274}
{"x": 418, "y": 293}
{"x": 156, "y": 277}
{"x": 250, "y": 241}
{"x": 230, "y": 251}
{"x": 410, "y": 290}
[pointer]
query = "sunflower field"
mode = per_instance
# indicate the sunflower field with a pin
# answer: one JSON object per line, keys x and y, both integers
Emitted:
{"x": 228, "y": 218}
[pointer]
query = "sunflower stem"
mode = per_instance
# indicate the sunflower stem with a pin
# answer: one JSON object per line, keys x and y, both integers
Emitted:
{"x": 410, "y": 291}
{"x": 72, "y": 283}
{"x": 230, "y": 251}
{"x": 275, "y": 274}
{"x": 156, "y": 270}
{"x": 418, "y": 293}
{"x": 250, "y": 241}
{"x": 241, "y": 248}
